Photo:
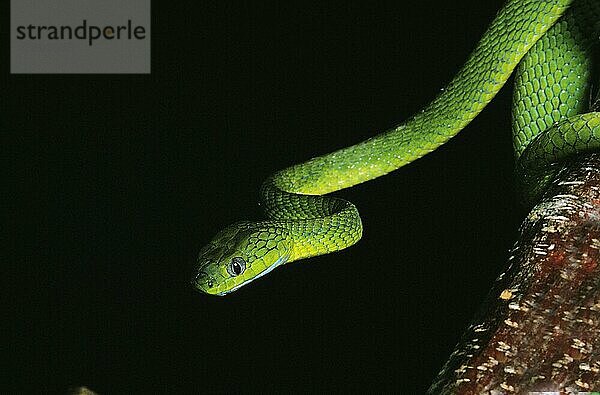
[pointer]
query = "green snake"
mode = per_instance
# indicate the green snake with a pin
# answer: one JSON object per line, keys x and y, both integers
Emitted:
{"x": 550, "y": 42}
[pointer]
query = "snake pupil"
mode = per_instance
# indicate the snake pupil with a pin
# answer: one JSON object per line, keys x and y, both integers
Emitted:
{"x": 236, "y": 266}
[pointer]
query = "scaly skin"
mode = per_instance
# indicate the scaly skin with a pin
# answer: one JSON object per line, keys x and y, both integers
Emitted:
{"x": 551, "y": 87}
{"x": 552, "y": 90}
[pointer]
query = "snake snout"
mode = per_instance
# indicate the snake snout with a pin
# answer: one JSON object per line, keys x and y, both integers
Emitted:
{"x": 202, "y": 280}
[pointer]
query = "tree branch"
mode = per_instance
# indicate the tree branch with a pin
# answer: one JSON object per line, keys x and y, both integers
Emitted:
{"x": 539, "y": 328}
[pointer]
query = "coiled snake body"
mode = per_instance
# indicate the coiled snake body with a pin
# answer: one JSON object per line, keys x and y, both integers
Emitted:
{"x": 550, "y": 42}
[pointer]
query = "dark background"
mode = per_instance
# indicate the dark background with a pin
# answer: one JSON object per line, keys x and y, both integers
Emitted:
{"x": 121, "y": 179}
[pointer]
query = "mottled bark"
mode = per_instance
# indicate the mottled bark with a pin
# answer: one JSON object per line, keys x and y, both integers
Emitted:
{"x": 539, "y": 328}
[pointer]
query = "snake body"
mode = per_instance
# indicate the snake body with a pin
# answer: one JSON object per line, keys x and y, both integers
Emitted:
{"x": 552, "y": 43}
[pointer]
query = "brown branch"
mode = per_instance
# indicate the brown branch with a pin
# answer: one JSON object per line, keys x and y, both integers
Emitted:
{"x": 539, "y": 328}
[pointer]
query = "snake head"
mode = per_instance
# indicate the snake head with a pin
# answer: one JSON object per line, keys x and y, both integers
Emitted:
{"x": 239, "y": 254}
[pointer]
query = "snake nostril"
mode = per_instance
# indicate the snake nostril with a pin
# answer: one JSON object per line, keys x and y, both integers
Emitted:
{"x": 201, "y": 278}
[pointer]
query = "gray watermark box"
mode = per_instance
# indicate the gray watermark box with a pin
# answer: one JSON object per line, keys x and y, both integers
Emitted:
{"x": 80, "y": 36}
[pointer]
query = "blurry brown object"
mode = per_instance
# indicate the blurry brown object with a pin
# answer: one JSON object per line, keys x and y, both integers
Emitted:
{"x": 80, "y": 391}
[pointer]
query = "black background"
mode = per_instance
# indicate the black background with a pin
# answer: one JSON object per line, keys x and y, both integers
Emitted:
{"x": 125, "y": 177}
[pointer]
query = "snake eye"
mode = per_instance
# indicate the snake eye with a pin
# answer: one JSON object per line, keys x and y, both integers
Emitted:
{"x": 236, "y": 266}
